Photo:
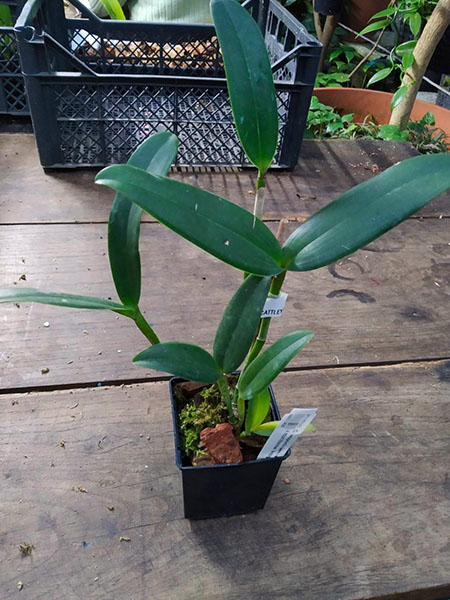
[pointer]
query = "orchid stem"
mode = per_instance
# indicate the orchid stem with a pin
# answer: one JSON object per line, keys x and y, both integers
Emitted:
{"x": 264, "y": 323}
{"x": 258, "y": 207}
{"x": 225, "y": 392}
{"x": 145, "y": 328}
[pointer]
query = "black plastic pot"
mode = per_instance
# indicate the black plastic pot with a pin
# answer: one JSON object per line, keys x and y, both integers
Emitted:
{"x": 224, "y": 490}
{"x": 328, "y": 7}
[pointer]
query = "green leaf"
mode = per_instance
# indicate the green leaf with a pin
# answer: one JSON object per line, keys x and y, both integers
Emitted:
{"x": 5, "y": 19}
{"x": 263, "y": 370}
{"x": 314, "y": 103}
{"x": 382, "y": 74}
{"x": 407, "y": 60}
{"x": 216, "y": 225}
{"x": 249, "y": 79}
{"x": 406, "y": 47}
{"x": 415, "y": 23}
{"x": 387, "y": 12}
{"x": 332, "y": 127}
{"x": 367, "y": 211}
{"x": 267, "y": 429}
{"x": 342, "y": 77}
{"x": 392, "y": 132}
{"x": 375, "y": 26}
{"x": 399, "y": 96}
{"x": 155, "y": 155}
{"x": 183, "y": 360}
{"x": 239, "y": 323}
{"x": 334, "y": 54}
{"x": 114, "y": 9}
{"x": 56, "y": 299}
{"x": 428, "y": 118}
{"x": 257, "y": 410}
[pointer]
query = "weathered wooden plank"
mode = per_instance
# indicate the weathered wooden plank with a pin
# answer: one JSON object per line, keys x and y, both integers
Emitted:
{"x": 366, "y": 513}
{"x": 386, "y": 303}
{"x": 326, "y": 169}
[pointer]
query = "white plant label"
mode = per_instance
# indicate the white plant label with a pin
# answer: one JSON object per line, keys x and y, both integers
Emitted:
{"x": 274, "y": 305}
{"x": 287, "y": 431}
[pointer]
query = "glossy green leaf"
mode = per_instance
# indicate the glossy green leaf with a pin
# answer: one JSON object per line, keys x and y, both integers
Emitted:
{"x": 56, "y": 299}
{"x": 406, "y": 47}
{"x": 155, "y": 155}
{"x": 367, "y": 211}
{"x": 387, "y": 12}
{"x": 267, "y": 429}
{"x": 239, "y": 323}
{"x": 375, "y": 26}
{"x": 263, "y": 370}
{"x": 379, "y": 76}
{"x": 408, "y": 60}
{"x": 415, "y": 23}
{"x": 183, "y": 360}
{"x": 216, "y": 225}
{"x": 399, "y": 96}
{"x": 249, "y": 79}
{"x": 114, "y": 9}
{"x": 257, "y": 410}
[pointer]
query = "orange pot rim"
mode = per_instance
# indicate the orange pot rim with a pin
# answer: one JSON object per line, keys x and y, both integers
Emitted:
{"x": 362, "y": 102}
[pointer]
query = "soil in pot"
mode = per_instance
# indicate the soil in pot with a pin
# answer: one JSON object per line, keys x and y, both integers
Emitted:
{"x": 206, "y": 436}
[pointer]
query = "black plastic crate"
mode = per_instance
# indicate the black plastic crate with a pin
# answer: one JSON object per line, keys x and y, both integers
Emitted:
{"x": 97, "y": 88}
{"x": 13, "y": 99}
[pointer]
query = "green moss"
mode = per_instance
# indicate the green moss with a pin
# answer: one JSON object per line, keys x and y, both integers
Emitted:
{"x": 206, "y": 409}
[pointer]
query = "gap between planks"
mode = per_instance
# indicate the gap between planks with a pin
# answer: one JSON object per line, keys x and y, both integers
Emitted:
{"x": 297, "y": 219}
{"x": 162, "y": 378}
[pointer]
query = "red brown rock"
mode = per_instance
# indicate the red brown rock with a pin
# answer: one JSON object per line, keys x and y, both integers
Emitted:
{"x": 221, "y": 444}
{"x": 190, "y": 388}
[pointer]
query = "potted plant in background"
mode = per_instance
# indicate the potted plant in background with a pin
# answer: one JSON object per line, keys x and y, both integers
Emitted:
{"x": 407, "y": 61}
{"x": 243, "y": 402}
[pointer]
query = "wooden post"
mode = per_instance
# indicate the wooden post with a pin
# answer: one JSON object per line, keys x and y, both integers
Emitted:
{"x": 428, "y": 41}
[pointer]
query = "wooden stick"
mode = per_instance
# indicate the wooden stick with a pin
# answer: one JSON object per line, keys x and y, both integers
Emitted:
{"x": 424, "y": 50}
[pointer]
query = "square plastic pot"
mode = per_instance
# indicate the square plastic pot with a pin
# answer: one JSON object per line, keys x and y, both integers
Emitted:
{"x": 224, "y": 490}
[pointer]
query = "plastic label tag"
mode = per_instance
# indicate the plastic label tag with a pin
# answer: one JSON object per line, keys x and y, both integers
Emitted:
{"x": 274, "y": 305}
{"x": 287, "y": 431}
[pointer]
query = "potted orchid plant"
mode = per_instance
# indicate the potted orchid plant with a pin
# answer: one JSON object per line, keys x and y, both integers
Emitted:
{"x": 228, "y": 390}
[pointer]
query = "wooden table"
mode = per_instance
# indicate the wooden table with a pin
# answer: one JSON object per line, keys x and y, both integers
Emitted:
{"x": 362, "y": 507}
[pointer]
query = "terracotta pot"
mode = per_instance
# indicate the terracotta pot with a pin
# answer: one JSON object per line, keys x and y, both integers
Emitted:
{"x": 377, "y": 104}
{"x": 358, "y": 13}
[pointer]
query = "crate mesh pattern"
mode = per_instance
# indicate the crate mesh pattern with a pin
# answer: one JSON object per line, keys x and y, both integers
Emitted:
{"x": 103, "y": 124}
{"x": 13, "y": 98}
{"x": 126, "y": 85}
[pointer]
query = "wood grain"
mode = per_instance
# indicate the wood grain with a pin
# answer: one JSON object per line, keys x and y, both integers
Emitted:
{"x": 366, "y": 513}
{"x": 325, "y": 170}
{"x": 387, "y": 303}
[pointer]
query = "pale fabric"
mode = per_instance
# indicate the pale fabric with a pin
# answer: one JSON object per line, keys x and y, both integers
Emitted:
{"x": 175, "y": 11}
